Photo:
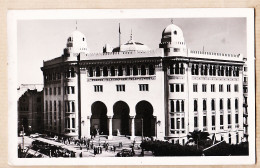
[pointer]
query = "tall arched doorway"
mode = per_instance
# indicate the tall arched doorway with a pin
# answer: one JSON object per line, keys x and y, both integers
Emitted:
{"x": 121, "y": 119}
{"x": 99, "y": 117}
{"x": 144, "y": 119}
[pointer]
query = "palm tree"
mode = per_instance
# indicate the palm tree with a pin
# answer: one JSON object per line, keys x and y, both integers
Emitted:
{"x": 198, "y": 137}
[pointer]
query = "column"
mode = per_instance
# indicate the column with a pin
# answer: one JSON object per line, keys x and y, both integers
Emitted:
{"x": 132, "y": 127}
{"x": 124, "y": 71}
{"x": 139, "y": 71}
{"x": 147, "y": 71}
{"x": 110, "y": 136}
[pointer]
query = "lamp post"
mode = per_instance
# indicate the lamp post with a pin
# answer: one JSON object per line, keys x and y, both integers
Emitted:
{"x": 142, "y": 128}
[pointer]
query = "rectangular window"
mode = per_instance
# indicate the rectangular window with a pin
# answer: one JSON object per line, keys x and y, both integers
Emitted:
{"x": 177, "y": 88}
{"x": 245, "y": 69}
{"x": 55, "y": 106}
{"x": 195, "y": 122}
{"x": 98, "y": 88}
{"x": 50, "y": 91}
{"x": 72, "y": 90}
{"x": 182, "y": 123}
{"x": 204, "y": 121}
{"x": 182, "y": 87}
{"x": 73, "y": 122}
{"x": 212, "y": 87}
{"x": 236, "y": 87}
{"x": 221, "y": 120}
{"x": 68, "y": 90}
{"x": 220, "y": 88}
{"x": 59, "y": 106}
{"x": 195, "y": 88}
{"x": 50, "y": 105}
{"x": 59, "y": 90}
{"x": 172, "y": 123}
{"x": 213, "y": 118}
{"x": 54, "y": 91}
{"x": 46, "y": 91}
{"x": 171, "y": 88}
{"x": 204, "y": 88}
{"x": 229, "y": 118}
{"x": 120, "y": 88}
{"x": 143, "y": 87}
{"x": 236, "y": 118}
{"x": 46, "y": 106}
{"x": 228, "y": 88}
{"x": 178, "y": 123}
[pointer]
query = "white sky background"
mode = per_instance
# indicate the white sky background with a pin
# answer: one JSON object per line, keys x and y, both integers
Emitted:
{"x": 39, "y": 40}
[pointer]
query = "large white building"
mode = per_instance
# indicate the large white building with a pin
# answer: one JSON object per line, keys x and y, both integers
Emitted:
{"x": 132, "y": 90}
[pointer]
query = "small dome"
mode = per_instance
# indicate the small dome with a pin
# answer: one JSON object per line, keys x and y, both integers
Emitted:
{"x": 77, "y": 43}
{"x": 172, "y": 33}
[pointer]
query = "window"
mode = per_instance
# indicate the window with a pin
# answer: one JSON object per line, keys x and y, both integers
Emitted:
{"x": 221, "y": 120}
{"x": 55, "y": 108}
{"x": 68, "y": 122}
{"x": 195, "y": 105}
{"x": 172, "y": 123}
{"x": 236, "y": 87}
{"x": 72, "y": 106}
{"x": 98, "y": 88}
{"x": 105, "y": 71}
{"x": 182, "y": 123}
{"x": 151, "y": 70}
{"x": 143, "y": 70}
{"x": 50, "y": 91}
{"x": 204, "y": 105}
{"x": 204, "y": 88}
{"x": 171, "y": 87}
{"x": 68, "y": 90}
{"x": 228, "y": 104}
{"x": 195, "y": 88}
{"x": 59, "y": 90}
{"x": 212, "y": 87}
{"x": 236, "y": 118}
{"x": 245, "y": 69}
{"x": 50, "y": 105}
{"x": 213, "y": 120}
{"x": 172, "y": 106}
{"x": 178, "y": 123}
{"x": 143, "y": 87}
{"x": 229, "y": 118}
{"x": 46, "y": 106}
{"x": 213, "y": 105}
{"x": 46, "y": 91}
{"x": 228, "y": 88}
{"x": 182, "y": 106}
{"x": 220, "y": 88}
{"x": 120, "y": 88}
{"x": 120, "y": 71}
{"x": 177, "y": 88}
{"x": 182, "y": 87}
{"x": 221, "y": 104}
{"x": 204, "y": 121}
{"x": 72, "y": 90}
{"x": 236, "y": 104}
{"x": 59, "y": 108}
{"x": 135, "y": 70}
{"x": 177, "y": 106}
{"x": 54, "y": 91}
{"x": 112, "y": 71}
{"x": 195, "y": 122}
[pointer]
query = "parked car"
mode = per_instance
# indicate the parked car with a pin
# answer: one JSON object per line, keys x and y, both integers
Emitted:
{"x": 36, "y": 135}
{"x": 125, "y": 153}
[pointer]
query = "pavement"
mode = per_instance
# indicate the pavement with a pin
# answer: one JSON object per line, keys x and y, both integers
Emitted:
{"x": 98, "y": 141}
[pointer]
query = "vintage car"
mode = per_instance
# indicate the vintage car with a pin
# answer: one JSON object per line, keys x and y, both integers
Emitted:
{"x": 125, "y": 153}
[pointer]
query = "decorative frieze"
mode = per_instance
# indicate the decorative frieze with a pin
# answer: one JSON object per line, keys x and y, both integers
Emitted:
{"x": 220, "y": 78}
{"x": 122, "y": 78}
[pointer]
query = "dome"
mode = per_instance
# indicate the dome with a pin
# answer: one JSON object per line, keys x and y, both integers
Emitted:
{"x": 132, "y": 45}
{"x": 172, "y": 33}
{"x": 76, "y": 42}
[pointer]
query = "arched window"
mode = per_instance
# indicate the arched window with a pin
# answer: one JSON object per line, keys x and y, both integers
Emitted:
{"x": 236, "y": 104}
{"x": 143, "y": 70}
{"x": 97, "y": 71}
{"x": 197, "y": 70}
{"x": 204, "y": 104}
{"x": 172, "y": 106}
{"x": 135, "y": 70}
{"x": 177, "y": 70}
{"x": 177, "y": 106}
{"x": 120, "y": 71}
{"x": 127, "y": 70}
{"x": 214, "y": 70}
{"x": 222, "y": 71}
{"x": 182, "y": 106}
{"x": 192, "y": 69}
{"x": 227, "y": 71}
{"x": 151, "y": 70}
{"x": 105, "y": 71}
{"x": 230, "y": 71}
{"x": 206, "y": 70}
{"x": 112, "y": 71}
{"x": 228, "y": 104}
{"x": 221, "y": 104}
{"x": 202, "y": 70}
{"x": 182, "y": 69}
{"x": 210, "y": 70}
{"x": 90, "y": 72}
{"x": 213, "y": 105}
{"x": 195, "y": 105}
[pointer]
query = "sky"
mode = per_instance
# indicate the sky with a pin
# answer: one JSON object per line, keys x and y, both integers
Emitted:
{"x": 41, "y": 40}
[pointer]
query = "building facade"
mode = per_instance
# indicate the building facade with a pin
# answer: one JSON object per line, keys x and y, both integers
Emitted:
{"x": 30, "y": 108}
{"x": 133, "y": 91}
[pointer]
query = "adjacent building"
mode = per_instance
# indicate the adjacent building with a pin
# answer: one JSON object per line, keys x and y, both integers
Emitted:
{"x": 133, "y": 91}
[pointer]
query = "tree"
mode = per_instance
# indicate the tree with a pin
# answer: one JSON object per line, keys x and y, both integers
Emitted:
{"x": 198, "y": 137}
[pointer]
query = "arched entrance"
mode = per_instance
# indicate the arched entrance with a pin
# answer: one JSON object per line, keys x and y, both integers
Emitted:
{"x": 99, "y": 118}
{"x": 144, "y": 119}
{"x": 121, "y": 119}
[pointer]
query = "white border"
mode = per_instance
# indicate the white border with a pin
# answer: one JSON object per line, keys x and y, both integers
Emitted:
{"x": 14, "y": 16}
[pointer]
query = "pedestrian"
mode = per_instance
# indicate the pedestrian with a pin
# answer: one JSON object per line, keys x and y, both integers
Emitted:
{"x": 80, "y": 155}
{"x": 114, "y": 148}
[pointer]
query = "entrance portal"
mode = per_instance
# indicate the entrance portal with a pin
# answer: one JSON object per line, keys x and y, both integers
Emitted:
{"x": 121, "y": 119}
{"x": 99, "y": 118}
{"x": 144, "y": 119}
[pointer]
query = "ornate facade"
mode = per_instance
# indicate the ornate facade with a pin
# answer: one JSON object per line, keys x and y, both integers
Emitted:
{"x": 133, "y": 91}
